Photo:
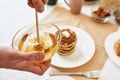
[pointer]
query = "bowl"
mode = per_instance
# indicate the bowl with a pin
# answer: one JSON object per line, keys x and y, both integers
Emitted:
{"x": 25, "y": 39}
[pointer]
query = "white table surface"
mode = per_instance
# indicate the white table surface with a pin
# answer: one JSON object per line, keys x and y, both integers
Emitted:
{"x": 15, "y": 14}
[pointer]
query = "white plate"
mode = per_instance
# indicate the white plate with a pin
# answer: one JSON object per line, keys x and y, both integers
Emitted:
{"x": 85, "y": 49}
{"x": 109, "y": 47}
{"x": 101, "y": 20}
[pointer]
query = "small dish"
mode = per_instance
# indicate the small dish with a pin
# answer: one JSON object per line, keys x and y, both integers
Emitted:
{"x": 101, "y": 15}
{"x": 101, "y": 20}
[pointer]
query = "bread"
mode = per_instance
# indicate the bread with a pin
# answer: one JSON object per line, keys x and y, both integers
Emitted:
{"x": 101, "y": 13}
{"x": 117, "y": 47}
{"x": 68, "y": 42}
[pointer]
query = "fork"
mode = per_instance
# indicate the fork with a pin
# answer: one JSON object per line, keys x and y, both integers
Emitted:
{"x": 88, "y": 74}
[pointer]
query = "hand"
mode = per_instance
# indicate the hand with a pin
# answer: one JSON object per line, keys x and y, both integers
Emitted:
{"x": 13, "y": 59}
{"x": 37, "y": 4}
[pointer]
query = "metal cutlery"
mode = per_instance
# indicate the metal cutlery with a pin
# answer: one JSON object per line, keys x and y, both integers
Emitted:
{"x": 88, "y": 74}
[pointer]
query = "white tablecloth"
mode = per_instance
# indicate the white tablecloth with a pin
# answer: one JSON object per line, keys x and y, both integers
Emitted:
{"x": 8, "y": 74}
{"x": 111, "y": 71}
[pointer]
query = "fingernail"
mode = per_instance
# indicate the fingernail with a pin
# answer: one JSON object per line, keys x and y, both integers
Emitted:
{"x": 41, "y": 9}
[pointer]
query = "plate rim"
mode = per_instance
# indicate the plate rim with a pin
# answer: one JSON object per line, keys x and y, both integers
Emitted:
{"x": 93, "y": 51}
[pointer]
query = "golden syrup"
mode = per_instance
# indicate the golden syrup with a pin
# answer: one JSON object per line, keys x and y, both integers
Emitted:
{"x": 48, "y": 44}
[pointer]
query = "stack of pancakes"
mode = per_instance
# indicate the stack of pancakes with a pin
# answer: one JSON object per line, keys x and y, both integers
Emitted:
{"x": 68, "y": 42}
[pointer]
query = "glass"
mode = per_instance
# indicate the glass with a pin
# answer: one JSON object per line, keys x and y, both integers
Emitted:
{"x": 26, "y": 40}
{"x": 52, "y": 2}
{"x": 75, "y": 5}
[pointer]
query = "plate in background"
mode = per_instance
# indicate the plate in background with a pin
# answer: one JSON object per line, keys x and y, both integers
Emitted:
{"x": 109, "y": 47}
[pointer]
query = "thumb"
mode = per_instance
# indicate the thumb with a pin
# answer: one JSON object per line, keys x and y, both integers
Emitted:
{"x": 32, "y": 56}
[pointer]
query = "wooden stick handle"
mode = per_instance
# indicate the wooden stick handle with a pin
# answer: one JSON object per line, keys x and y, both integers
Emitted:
{"x": 37, "y": 27}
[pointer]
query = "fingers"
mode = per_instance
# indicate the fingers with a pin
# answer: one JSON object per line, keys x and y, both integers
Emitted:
{"x": 30, "y": 3}
{"x": 12, "y": 55}
{"x": 32, "y": 56}
{"x": 27, "y": 66}
{"x": 37, "y": 4}
{"x": 41, "y": 68}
